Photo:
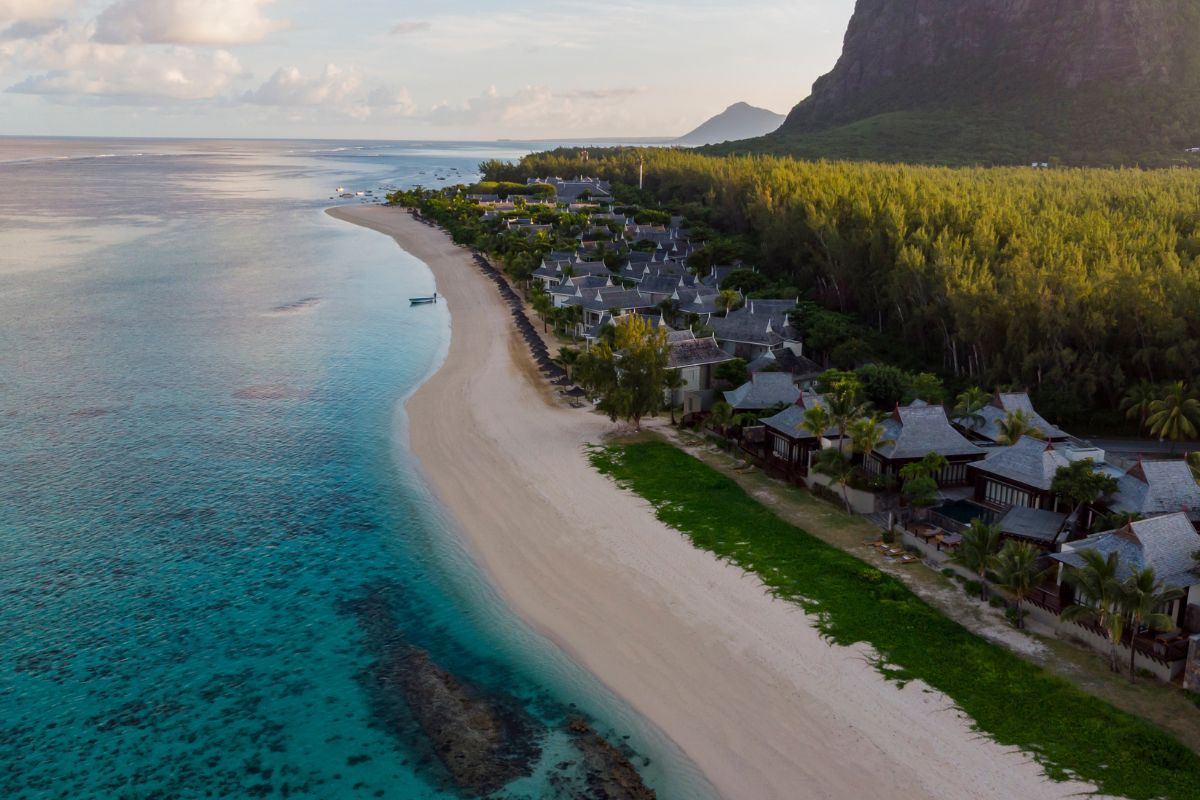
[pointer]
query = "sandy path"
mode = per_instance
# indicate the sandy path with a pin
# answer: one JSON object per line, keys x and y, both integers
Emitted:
{"x": 741, "y": 682}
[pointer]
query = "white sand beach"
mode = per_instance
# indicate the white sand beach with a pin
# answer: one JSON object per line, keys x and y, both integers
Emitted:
{"x": 740, "y": 681}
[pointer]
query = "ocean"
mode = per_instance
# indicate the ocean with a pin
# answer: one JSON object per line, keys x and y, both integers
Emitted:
{"x": 220, "y": 572}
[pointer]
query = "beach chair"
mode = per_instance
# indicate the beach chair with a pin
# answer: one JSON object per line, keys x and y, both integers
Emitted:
{"x": 907, "y": 558}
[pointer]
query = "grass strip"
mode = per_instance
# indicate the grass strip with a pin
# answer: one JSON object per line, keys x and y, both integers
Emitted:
{"x": 1071, "y": 733}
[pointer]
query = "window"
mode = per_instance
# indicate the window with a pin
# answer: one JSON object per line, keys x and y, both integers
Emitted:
{"x": 952, "y": 474}
{"x": 1004, "y": 495}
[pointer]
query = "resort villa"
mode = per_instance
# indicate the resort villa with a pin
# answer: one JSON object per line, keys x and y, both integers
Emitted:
{"x": 696, "y": 359}
{"x": 913, "y": 432}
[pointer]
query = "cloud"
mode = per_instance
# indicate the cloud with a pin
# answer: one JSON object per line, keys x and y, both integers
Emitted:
{"x": 335, "y": 89}
{"x": 405, "y": 28}
{"x": 196, "y": 22}
{"x": 33, "y": 10}
{"x": 69, "y": 64}
{"x": 31, "y": 29}
{"x": 534, "y": 108}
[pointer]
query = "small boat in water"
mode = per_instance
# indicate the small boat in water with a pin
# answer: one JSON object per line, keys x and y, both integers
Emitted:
{"x": 420, "y": 301}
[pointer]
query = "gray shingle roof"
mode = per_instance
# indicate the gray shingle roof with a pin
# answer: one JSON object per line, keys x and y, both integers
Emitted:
{"x": 615, "y": 297}
{"x": 1028, "y": 462}
{"x": 1165, "y": 543}
{"x": 577, "y": 283}
{"x": 1002, "y": 405}
{"x": 790, "y": 421}
{"x": 1157, "y": 487}
{"x": 1033, "y": 523}
{"x": 920, "y": 429}
{"x": 763, "y": 390}
{"x": 695, "y": 352}
{"x": 742, "y": 326}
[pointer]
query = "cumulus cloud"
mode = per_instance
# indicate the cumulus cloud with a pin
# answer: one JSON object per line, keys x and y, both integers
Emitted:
{"x": 533, "y": 107}
{"x": 197, "y": 22}
{"x": 344, "y": 91}
{"x": 405, "y": 28}
{"x": 69, "y": 63}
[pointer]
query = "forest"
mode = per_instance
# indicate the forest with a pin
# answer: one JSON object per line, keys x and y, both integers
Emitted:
{"x": 1074, "y": 283}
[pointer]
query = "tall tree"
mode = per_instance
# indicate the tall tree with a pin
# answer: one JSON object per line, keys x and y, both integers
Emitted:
{"x": 980, "y": 542}
{"x": 672, "y": 382}
{"x": 629, "y": 376}
{"x": 834, "y": 464}
{"x": 1142, "y": 598}
{"x": 1019, "y": 572}
{"x": 1097, "y": 598}
{"x": 843, "y": 405}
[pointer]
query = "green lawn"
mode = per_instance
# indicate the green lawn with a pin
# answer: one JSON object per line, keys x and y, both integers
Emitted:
{"x": 1070, "y": 732}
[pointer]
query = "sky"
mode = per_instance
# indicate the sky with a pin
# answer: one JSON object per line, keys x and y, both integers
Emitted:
{"x": 405, "y": 69}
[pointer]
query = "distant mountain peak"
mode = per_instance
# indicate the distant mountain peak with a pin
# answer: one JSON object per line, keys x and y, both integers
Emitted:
{"x": 739, "y": 121}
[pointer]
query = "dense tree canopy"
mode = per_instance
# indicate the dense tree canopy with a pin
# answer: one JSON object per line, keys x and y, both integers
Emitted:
{"x": 1074, "y": 283}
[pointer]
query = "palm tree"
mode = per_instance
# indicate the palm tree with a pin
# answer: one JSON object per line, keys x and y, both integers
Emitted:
{"x": 1081, "y": 483}
{"x": 720, "y": 416}
{"x": 1141, "y": 597}
{"x": 868, "y": 435}
{"x": 1096, "y": 582}
{"x": 1018, "y": 572}
{"x": 816, "y": 421}
{"x": 833, "y": 462}
{"x": 568, "y": 357}
{"x": 843, "y": 405}
{"x": 1175, "y": 415}
{"x": 967, "y": 405}
{"x": 672, "y": 381}
{"x": 980, "y": 543}
{"x": 542, "y": 304}
{"x": 1015, "y": 425}
{"x": 727, "y": 300}
{"x": 1137, "y": 401}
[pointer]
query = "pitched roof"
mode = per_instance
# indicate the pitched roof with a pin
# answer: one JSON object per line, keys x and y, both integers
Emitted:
{"x": 1157, "y": 487}
{"x": 1033, "y": 523}
{"x": 1165, "y": 543}
{"x": 1003, "y": 404}
{"x": 762, "y": 391}
{"x": 695, "y": 352}
{"x": 1030, "y": 462}
{"x": 786, "y": 361}
{"x": 919, "y": 429}
{"x": 790, "y": 421}
{"x": 575, "y": 283}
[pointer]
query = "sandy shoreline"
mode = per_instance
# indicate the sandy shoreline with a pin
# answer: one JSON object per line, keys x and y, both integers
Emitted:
{"x": 741, "y": 682}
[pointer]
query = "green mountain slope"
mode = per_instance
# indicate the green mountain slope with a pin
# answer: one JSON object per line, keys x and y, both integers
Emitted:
{"x": 1008, "y": 82}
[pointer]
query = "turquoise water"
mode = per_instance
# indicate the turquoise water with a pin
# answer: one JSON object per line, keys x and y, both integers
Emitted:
{"x": 211, "y": 531}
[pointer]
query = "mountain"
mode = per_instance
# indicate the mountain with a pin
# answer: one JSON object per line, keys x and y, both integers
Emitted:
{"x": 739, "y": 121}
{"x": 1007, "y": 81}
